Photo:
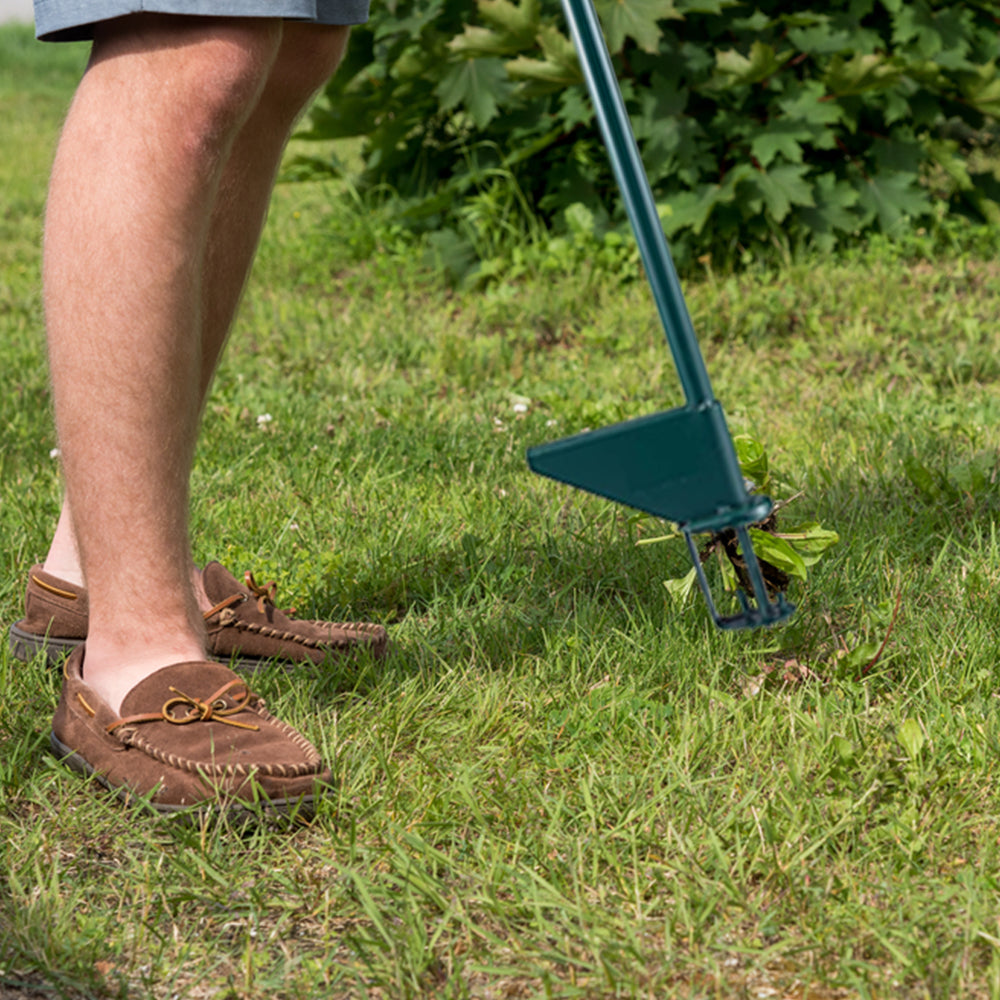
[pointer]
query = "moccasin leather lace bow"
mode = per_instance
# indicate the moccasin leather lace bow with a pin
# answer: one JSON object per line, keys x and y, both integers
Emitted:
{"x": 266, "y": 595}
{"x": 212, "y": 709}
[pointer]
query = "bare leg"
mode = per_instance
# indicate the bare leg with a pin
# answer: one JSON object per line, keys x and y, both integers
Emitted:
{"x": 306, "y": 57}
{"x": 63, "y": 559}
{"x": 133, "y": 187}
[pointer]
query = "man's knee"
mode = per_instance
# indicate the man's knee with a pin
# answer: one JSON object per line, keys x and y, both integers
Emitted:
{"x": 308, "y": 57}
{"x": 201, "y": 75}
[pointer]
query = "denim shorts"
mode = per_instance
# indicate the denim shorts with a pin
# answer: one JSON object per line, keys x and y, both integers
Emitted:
{"x": 73, "y": 20}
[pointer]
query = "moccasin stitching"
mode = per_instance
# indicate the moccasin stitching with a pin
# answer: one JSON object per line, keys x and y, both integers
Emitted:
{"x": 129, "y": 736}
{"x": 364, "y": 628}
{"x": 179, "y": 763}
{"x": 266, "y": 595}
{"x": 269, "y": 633}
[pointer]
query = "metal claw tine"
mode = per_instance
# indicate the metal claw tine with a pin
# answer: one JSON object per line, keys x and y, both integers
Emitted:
{"x": 766, "y": 611}
{"x": 753, "y": 567}
{"x": 702, "y": 578}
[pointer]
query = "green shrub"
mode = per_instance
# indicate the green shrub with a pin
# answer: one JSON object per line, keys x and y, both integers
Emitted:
{"x": 759, "y": 126}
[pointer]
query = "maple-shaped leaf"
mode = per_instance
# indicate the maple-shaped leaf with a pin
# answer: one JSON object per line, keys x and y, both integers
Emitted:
{"x": 411, "y": 25}
{"x": 574, "y": 108}
{"x": 689, "y": 209}
{"x": 477, "y": 42}
{"x": 982, "y": 89}
{"x": 761, "y": 64}
{"x": 558, "y": 49}
{"x": 784, "y": 136}
{"x": 890, "y": 197}
{"x": 635, "y": 19}
{"x": 560, "y": 66}
{"x": 861, "y": 73}
{"x": 809, "y": 102}
{"x": 949, "y": 157}
{"x": 765, "y": 146}
{"x": 821, "y": 39}
{"x": 835, "y": 211}
{"x": 941, "y": 35}
{"x": 783, "y": 187}
{"x": 518, "y": 22}
{"x": 512, "y": 28}
{"x": 476, "y": 84}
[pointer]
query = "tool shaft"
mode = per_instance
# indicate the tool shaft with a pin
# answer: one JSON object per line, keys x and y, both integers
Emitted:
{"x": 616, "y": 129}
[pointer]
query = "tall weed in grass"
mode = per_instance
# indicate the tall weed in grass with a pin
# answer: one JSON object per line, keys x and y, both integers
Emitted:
{"x": 561, "y": 782}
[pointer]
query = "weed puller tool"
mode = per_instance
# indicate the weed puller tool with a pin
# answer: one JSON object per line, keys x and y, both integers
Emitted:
{"x": 680, "y": 464}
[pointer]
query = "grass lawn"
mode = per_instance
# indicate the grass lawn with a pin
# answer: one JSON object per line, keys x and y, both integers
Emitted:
{"x": 562, "y": 782}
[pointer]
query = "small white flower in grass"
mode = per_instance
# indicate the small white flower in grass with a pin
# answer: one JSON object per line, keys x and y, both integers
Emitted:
{"x": 520, "y": 407}
{"x": 551, "y": 423}
{"x": 54, "y": 453}
{"x": 264, "y": 418}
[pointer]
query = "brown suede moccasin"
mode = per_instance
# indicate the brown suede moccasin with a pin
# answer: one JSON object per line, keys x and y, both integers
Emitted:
{"x": 55, "y": 618}
{"x": 191, "y": 734}
{"x": 242, "y": 623}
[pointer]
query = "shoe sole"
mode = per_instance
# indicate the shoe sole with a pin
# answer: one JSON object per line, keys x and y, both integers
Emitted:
{"x": 26, "y": 646}
{"x": 299, "y": 808}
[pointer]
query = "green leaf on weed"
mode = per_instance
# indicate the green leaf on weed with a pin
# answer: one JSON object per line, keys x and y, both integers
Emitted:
{"x": 752, "y": 456}
{"x": 810, "y": 540}
{"x": 844, "y": 748}
{"x": 452, "y": 254}
{"x": 911, "y": 736}
{"x": 976, "y": 475}
{"x": 680, "y": 588}
{"x": 859, "y": 657}
{"x": 579, "y": 220}
{"x": 835, "y": 210}
{"x": 779, "y": 553}
{"x": 921, "y": 477}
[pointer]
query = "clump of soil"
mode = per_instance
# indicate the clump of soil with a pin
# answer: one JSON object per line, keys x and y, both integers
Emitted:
{"x": 775, "y": 580}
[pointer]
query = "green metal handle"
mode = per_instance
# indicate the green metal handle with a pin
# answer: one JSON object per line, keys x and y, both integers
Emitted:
{"x": 627, "y": 165}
